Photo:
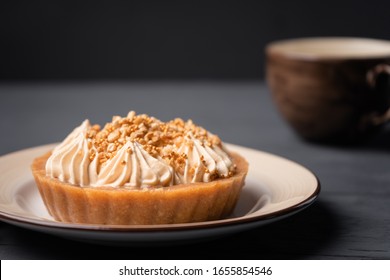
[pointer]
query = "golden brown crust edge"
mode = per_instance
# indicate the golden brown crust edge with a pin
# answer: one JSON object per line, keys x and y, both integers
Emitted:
{"x": 185, "y": 203}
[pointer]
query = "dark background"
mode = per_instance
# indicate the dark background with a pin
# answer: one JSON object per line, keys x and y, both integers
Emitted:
{"x": 176, "y": 40}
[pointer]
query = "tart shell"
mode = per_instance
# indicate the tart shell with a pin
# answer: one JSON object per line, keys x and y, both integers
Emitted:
{"x": 184, "y": 203}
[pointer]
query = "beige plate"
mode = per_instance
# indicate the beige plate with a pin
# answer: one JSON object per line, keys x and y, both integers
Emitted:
{"x": 275, "y": 188}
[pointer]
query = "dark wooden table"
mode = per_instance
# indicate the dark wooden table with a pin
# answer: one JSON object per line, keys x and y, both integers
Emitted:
{"x": 350, "y": 219}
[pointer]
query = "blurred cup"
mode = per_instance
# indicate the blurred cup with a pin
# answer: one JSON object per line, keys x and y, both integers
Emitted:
{"x": 333, "y": 89}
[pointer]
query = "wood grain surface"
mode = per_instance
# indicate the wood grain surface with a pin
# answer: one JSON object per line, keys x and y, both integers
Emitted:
{"x": 350, "y": 219}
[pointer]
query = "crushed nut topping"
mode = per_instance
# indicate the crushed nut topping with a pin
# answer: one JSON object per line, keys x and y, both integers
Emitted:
{"x": 155, "y": 136}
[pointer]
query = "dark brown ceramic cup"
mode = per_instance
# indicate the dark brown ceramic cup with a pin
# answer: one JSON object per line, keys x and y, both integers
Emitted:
{"x": 331, "y": 89}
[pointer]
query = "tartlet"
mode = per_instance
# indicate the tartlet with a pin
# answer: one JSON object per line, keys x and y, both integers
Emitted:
{"x": 157, "y": 173}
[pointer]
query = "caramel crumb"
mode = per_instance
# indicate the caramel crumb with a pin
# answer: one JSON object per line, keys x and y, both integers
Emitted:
{"x": 156, "y": 137}
{"x": 113, "y": 136}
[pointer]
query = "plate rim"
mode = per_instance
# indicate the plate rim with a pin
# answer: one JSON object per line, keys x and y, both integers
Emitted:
{"x": 242, "y": 220}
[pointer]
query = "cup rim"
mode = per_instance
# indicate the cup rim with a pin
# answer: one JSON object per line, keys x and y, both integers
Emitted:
{"x": 278, "y": 47}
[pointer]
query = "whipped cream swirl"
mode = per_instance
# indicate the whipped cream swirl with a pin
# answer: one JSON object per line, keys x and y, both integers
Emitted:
{"x": 69, "y": 161}
{"x": 170, "y": 153}
{"x": 203, "y": 163}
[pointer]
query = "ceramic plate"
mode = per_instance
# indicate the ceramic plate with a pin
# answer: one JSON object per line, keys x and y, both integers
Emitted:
{"x": 275, "y": 188}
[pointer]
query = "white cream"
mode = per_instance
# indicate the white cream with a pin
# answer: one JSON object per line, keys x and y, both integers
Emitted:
{"x": 132, "y": 166}
{"x": 134, "y": 169}
{"x": 70, "y": 160}
{"x": 203, "y": 162}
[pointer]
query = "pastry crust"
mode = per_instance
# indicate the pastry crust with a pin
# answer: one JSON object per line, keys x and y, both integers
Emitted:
{"x": 184, "y": 203}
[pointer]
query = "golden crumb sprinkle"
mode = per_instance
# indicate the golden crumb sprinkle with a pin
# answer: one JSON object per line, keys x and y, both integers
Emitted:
{"x": 154, "y": 135}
